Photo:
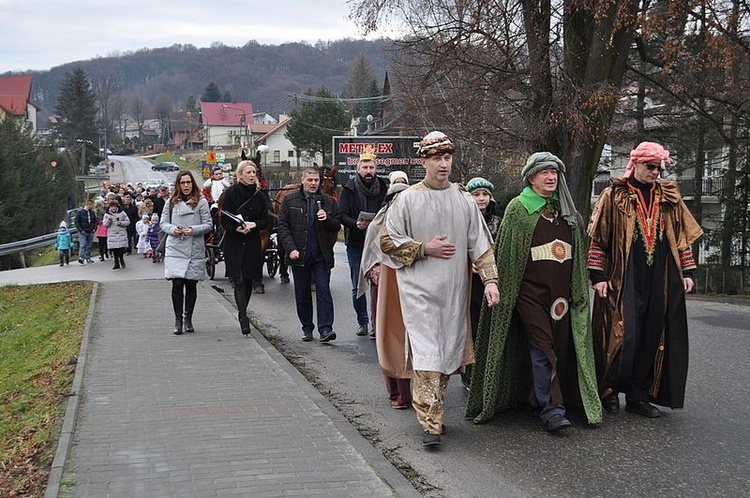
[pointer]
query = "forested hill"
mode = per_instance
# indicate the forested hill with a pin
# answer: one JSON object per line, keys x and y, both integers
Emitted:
{"x": 262, "y": 74}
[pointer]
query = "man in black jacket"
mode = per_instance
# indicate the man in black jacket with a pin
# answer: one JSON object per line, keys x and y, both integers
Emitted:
{"x": 361, "y": 198}
{"x": 308, "y": 224}
{"x": 86, "y": 225}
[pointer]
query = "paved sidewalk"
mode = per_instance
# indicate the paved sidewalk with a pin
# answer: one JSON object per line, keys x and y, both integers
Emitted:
{"x": 210, "y": 413}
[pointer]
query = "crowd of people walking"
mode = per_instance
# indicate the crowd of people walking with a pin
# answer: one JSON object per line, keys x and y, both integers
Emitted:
{"x": 456, "y": 283}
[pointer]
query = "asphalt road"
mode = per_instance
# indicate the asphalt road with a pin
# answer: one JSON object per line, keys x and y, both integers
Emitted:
{"x": 701, "y": 450}
{"x": 133, "y": 169}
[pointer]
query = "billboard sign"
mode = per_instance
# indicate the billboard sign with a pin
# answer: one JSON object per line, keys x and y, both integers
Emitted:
{"x": 393, "y": 153}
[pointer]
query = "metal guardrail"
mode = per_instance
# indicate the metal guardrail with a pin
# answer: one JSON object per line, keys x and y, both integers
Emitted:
{"x": 29, "y": 244}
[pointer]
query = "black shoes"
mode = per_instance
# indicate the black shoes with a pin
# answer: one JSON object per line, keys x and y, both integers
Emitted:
{"x": 259, "y": 288}
{"x": 429, "y": 439}
{"x": 643, "y": 408}
{"x": 328, "y": 336}
{"x": 244, "y": 325}
{"x": 189, "y": 323}
{"x": 285, "y": 279}
{"x": 178, "y": 326}
{"x": 307, "y": 338}
{"x": 611, "y": 404}
{"x": 555, "y": 423}
{"x": 362, "y": 329}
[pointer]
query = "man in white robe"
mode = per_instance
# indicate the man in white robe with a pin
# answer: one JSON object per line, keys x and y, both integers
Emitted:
{"x": 434, "y": 231}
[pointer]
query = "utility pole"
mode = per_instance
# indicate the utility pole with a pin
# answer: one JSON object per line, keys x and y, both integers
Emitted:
{"x": 83, "y": 157}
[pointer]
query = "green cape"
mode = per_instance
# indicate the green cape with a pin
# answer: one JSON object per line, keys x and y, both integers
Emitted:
{"x": 495, "y": 374}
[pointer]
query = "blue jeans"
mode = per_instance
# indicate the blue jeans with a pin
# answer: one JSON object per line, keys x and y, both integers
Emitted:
{"x": 542, "y": 371}
{"x": 85, "y": 240}
{"x": 303, "y": 278}
{"x": 354, "y": 255}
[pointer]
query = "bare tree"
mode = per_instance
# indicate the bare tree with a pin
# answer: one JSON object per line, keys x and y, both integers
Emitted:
{"x": 520, "y": 76}
{"x": 107, "y": 89}
{"x": 139, "y": 107}
{"x": 163, "y": 106}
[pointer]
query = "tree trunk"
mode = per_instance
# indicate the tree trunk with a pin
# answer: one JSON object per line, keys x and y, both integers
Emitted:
{"x": 728, "y": 197}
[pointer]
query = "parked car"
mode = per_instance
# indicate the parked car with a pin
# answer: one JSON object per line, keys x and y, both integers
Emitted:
{"x": 165, "y": 166}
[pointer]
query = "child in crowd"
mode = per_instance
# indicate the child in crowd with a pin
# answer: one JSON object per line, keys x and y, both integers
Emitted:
{"x": 141, "y": 228}
{"x": 152, "y": 234}
{"x": 64, "y": 243}
{"x": 101, "y": 237}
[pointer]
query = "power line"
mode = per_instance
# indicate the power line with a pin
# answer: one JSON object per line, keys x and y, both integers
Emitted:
{"x": 314, "y": 98}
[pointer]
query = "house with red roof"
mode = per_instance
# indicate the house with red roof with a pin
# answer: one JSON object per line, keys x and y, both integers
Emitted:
{"x": 226, "y": 124}
{"x": 15, "y": 99}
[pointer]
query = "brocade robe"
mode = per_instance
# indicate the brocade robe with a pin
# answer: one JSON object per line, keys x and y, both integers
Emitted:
{"x": 612, "y": 229}
{"x": 502, "y": 344}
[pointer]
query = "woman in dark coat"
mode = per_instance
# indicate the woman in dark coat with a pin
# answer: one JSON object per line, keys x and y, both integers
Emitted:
{"x": 244, "y": 213}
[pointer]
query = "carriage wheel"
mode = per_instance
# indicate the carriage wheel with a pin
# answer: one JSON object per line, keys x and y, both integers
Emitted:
{"x": 272, "y": 263}
{"x": 210, "y": 262}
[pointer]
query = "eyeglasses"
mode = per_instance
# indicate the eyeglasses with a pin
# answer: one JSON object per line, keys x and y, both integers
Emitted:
{"x": 652, "y": 167}
{"x": 187, "y": 182}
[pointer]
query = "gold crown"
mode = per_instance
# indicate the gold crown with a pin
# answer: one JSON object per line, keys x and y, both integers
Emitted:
{"x": 368, "y": 153}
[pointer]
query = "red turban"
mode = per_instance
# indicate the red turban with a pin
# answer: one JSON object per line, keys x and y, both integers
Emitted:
{"x": 647, "y": 152}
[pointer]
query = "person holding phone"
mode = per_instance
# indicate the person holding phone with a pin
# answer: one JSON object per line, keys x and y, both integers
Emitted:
{"x": 184, "y": 220}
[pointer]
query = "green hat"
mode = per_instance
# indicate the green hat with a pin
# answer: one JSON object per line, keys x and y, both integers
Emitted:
{"x": 480, "y": 183}
{"x": 539, "y": 161}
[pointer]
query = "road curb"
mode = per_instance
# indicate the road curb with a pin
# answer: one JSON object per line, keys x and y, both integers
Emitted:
{"x": 57, "y": 470}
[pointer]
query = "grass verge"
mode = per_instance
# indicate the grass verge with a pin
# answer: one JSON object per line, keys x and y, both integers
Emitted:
{"x": 40, "y": 335}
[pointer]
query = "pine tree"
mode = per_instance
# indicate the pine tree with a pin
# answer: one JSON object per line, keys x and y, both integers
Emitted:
{"x": 77, "y": 109}
{"x": 361, "y": 75}
{"x": 211, "y": 93}
{"x": 31, "y": 208}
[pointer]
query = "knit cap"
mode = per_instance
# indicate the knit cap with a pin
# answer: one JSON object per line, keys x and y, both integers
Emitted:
{"x": 480, "y": 183}
{"x": 393, "y": 175}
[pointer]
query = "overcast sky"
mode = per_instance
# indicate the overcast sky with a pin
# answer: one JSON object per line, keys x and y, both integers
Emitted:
{"x": 41, "y": 34}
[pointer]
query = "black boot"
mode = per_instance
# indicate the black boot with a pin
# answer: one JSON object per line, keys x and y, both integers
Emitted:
{"x": 178, "y": 325}
{"x": 189, "y": 323}
{"x": 258, "y": 287}
{"x": 244, "y": 323}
